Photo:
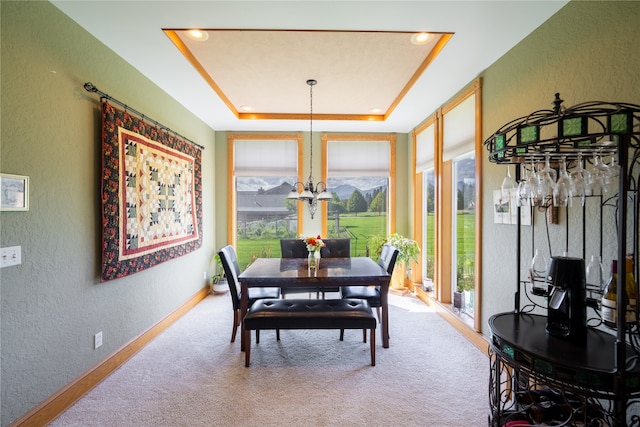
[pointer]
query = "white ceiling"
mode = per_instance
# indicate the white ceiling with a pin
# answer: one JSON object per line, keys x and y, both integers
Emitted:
{"x": 482, "y": 32}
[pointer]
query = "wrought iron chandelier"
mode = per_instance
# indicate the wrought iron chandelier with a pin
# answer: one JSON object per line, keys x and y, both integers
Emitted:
{"x": 310, "y": 193}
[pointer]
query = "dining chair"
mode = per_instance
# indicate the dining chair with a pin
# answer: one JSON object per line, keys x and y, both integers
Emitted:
{"x": 229, "y": 260}
{"x": 295, "y": 248}
{"x": 335, "y": 248}
{"x": 387, "y": 260}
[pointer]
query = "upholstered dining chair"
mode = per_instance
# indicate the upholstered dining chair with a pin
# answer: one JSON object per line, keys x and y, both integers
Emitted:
{"x": 335, "y": 248}
{"x": 295, "y": 248}
{"x": 387, "y": 260}
{"x": 229, "y": 260}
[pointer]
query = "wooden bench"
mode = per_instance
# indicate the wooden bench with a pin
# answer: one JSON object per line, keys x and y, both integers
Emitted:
{"x": 310, "y": 314}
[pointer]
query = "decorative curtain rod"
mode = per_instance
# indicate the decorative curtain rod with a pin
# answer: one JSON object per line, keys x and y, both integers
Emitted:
{"x": 89, "y": 87}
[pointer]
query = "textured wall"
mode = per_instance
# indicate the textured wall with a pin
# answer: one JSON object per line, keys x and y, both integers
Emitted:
{"x": 53, "y": 304}
{"x": 587, "y": 51}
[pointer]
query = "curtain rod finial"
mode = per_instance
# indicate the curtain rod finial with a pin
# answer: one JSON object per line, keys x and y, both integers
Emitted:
{"x": 89, "y": 87}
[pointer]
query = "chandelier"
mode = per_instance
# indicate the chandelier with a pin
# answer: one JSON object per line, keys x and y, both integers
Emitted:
{"x": 312, "y": 194}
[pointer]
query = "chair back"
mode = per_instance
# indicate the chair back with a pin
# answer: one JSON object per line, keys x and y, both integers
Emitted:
{"x": 388, "y": 257}
{"x": 336, "y": 248}
{"x": 293, "y": 248}
{"x": 229, "y": 260}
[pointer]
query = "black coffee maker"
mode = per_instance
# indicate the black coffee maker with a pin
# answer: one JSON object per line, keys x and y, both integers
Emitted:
{"x": 567, "y": 311}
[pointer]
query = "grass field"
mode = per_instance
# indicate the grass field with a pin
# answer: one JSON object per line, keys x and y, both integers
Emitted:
{"x": 360, "y": 229}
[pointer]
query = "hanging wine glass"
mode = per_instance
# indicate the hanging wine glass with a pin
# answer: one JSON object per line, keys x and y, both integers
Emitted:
{"x": 580, "y": 179}
{"x": 548, "y": 176}
{"x": 539, "y": 188}
{"x": 600, "y": 176}
{"x": 524, "y": 187}
{"x": 508, "y": 185}
{"x": 614, "y": 171}
{"x": 533, "y": 185}
{"x": 553, "y": 175}
{"x": 562, "y": 189}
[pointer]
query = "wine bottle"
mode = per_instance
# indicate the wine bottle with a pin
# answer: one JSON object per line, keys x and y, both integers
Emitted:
{"x": 610, "y": 299}
{"x": 632, "y": 290}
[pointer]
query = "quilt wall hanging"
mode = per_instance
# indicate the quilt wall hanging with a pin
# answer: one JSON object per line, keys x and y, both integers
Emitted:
{"x": 151, "y": 194}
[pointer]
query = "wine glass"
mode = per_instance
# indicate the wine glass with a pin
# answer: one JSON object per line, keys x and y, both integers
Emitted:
{"x": 614, "y": 170}
{"x": 538, "y": 272}
{"x": 580, "y": 179}
{"x": 548, "y": 177}
{"x": 538, "y": 188}
{"x": 562, "y": 190}
{"x": 600, "y": 176}
{"x": 508, "y": 185}
{"x": 524, "y": 187}
{"x": 595, "y": 273}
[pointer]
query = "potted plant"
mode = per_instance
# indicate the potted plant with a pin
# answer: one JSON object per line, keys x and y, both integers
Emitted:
{"x": 408, "y": 251}
{"x": 218, "y": 283}
{"x": 464, "y": 282}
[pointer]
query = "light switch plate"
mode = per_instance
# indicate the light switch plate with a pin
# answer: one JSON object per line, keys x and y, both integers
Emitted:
{"x": 10, "y": 256}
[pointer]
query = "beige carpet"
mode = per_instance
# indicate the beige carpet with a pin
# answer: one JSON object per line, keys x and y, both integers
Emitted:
{"x": 192, "y": 376}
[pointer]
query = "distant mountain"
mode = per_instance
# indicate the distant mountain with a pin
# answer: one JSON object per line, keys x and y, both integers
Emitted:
{"x": 345, "y": 191}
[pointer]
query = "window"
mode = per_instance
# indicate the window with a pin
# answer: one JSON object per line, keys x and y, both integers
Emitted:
{"x": 459, "y": 135}
{"x": 359, "y": 174}
{"x": 463, "y": 230}
{"x": 426, "y": 202}
{"x": 264, "y": 170}
{"x": 447, "y": 212}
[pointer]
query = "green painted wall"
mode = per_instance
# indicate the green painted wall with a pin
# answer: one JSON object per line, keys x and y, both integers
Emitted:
{"x": 54, "y": 303}
{"x": 587, "y": 51}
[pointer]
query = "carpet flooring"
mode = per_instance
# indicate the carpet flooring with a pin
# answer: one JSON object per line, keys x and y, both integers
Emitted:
{"x": 191, "y": 375}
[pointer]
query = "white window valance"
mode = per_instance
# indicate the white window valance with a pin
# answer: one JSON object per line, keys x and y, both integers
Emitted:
{"x": 359, "y": 158}
{"x": 459, "y": 129}
{"x": 256, "y": 157}
{"x": 425, "y": 144}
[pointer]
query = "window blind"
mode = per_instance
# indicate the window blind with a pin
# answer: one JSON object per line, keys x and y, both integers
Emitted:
{"x": 265, "y": 157}
{"x": 358, "y": 158}
{"x": 459, "y": 129}
{"x": 425, "y": 141}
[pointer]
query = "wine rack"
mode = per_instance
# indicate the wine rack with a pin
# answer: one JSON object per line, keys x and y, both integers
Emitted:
{"x": 536, "y": 378}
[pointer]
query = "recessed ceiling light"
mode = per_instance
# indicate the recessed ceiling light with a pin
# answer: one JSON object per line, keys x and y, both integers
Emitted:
{"x": 246, "y": 108}
{"x": 198, "y": 35}
{"x": 375, "y": 110}
{"x": 420, "y": 38}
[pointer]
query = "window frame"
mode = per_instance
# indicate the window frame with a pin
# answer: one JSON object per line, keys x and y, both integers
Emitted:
{"x": 231, "y": 176}
{"x": 391, "y": 138}
{"x": 444, "y": 203}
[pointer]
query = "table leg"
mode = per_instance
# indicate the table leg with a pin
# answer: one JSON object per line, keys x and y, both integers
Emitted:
{"x": 384, "y": 301}
{"x": 244, "y": 305}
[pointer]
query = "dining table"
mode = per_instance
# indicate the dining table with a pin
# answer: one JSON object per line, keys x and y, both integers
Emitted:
{"x": 331, "y": 272}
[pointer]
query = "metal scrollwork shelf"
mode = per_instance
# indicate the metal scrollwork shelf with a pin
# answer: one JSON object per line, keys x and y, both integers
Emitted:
{"x": 537, "y": 378}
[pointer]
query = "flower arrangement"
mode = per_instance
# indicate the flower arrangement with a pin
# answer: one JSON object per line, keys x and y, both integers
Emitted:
{"x": 314, "y": 243}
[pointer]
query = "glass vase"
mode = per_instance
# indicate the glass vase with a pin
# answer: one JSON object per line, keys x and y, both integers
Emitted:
{"x": 314, "y": 259}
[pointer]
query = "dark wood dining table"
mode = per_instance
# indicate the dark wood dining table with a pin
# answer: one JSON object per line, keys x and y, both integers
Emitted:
{"x": 295, "y": 272}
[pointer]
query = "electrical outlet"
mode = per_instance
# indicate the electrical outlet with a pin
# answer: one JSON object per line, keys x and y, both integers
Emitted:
{"x": 97, "y": 340}
{"x": 205, "y": 275}
{"x": 10, "y": 256}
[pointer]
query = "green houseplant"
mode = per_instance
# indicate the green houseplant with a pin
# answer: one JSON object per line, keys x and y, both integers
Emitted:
{"x": 218, "y": 283}
{"x": 408, "y": 251}
{"x": 464, "y": 281}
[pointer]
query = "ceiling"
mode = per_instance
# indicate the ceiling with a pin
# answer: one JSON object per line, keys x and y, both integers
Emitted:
{"x": 251, "y": 72}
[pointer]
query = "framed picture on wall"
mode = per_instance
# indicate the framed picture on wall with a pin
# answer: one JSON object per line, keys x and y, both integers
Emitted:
{"x": 14, "y": 192}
